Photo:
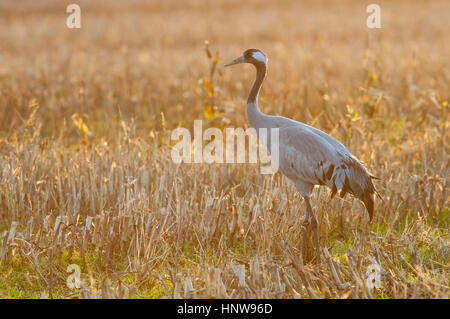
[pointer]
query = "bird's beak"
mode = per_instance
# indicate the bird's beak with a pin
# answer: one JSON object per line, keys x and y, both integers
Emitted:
{"x": 241, "y": 59}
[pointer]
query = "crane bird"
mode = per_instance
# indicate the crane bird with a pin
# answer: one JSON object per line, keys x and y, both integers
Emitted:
{"x": 308, "y": 156}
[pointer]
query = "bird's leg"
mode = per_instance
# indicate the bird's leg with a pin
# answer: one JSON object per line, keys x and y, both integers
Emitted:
{"x": 305, "y": 226}
{"x": 315, "y": 225}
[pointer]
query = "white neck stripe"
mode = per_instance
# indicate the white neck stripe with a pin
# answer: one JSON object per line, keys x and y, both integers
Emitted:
{"x": 259, "y": 56}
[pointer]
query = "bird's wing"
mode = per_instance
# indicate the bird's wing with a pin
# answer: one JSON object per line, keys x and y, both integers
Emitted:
{"x": 309, "y": 158}
{"x": 280, "y": 121}
{"x": 306, "y": 156}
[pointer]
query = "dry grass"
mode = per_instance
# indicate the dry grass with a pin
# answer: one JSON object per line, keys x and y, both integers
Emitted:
{"x": 85, "y": 169}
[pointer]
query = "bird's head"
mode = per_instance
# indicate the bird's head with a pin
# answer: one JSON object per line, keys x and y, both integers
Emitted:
{"x": 253, "y": 56}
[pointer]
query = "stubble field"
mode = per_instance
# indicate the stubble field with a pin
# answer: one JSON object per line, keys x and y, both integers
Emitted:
{"x": 86, "y": 175}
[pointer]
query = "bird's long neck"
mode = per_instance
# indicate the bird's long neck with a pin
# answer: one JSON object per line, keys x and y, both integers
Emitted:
{"x": 254, "y": 115}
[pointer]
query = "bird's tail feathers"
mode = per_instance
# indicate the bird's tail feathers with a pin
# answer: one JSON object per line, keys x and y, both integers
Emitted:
{"x": 368, "y": 200}
{"x": 352, "y": 177}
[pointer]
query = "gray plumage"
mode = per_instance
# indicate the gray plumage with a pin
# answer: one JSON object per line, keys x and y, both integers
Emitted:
{"x": 311, "y": 157}
{"x": 308, "y": 156}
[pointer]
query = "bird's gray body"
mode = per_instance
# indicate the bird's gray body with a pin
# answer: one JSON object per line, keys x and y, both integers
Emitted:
{"x": 306, "y": 155}
{"x": 309, "y": 157}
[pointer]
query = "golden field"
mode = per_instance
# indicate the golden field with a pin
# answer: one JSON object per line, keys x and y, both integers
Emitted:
{"x": 86, "y": 175}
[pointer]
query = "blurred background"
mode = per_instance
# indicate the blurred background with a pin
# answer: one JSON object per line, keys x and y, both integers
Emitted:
{"x": 147, "y": 57}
